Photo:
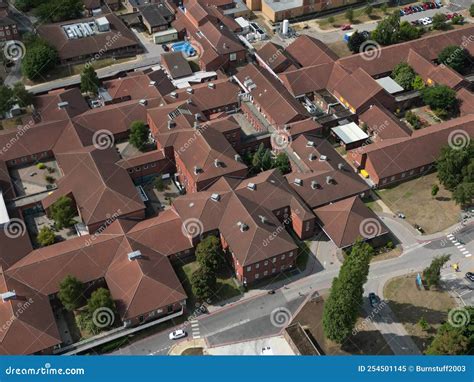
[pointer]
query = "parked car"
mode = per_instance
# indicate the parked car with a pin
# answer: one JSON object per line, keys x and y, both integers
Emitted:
{"x": 400, "y": 215}
{"x": 419, "y": 229}
{"x": 470, "y": 276}
{"x": 346, "y": 27}
{"x": 177, "y": 334}
{"x": 165, "y": 48}
{"x": 438, "y": 5}
{"x": 402, "y": 13}
{"x": 373, "y": 299}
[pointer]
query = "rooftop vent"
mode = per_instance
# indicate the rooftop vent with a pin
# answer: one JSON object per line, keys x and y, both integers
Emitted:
{"x": 262, "y": 218}
{"x": 217, "y": 163}
{"x": 215, "y": 197}
{"x": 174, "y": 95}
{"x": 143, "y": 102}
{"x": 190, "y": 90}
{"x": 252, "y": 186}
{"x": 189, "y": 101}
{"x": 322, "y": 158}
{"x": 340, "y": 166}
{"x": 171, "y": 124}
{"x": 197, "y": 170}
{"x": 134, "y": 255}
{"x": 237, "y": 158}
{"x": 329, "y": 179}
{"x": 310, "y": 144}
{"x": 211, "y": 85}
{"x": 314, "y": 184}
{"x": 152, "y": 83}
{"x": 62, "y": 105}
{"x": 7, "y": 296}
{"x": 243, "y": 227}
{"x": 196, "y": 124}
{"x": 298, "y": 182}
{"x": 197, "y": 116}
{"x": 312, "y": 157}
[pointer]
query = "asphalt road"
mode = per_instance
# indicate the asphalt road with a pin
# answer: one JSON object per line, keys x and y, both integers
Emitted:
{"x": 250, "y": 319}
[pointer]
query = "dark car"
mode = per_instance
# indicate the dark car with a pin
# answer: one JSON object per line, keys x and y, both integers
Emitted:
{"x": 165, "y": 48}
{"x": 373, "y": 299}
{"x": 470, "y": 276}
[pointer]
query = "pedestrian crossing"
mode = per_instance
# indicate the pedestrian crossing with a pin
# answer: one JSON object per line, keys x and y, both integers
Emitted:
{"x": 195, "y": 329}
{"x": 459, "y": 246}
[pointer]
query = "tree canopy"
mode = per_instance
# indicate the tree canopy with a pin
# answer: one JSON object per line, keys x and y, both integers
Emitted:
{"x": 89, "y": 81}
{"x": 391, "y": 31}
{"x": 63, "y": 212}
{"x": 46, "y": 236}
{"x": 138, "y": 134}
{"x": 456, "y": 58}
{"x": 355, "y": 42}
{"x": 71, "y": 293}
{"x": 404, "y": 75}
{"x": 209, "y": 254}
{"x": 341, "y": 308}
{"x": 203, "y": 284}
{"x": 53, "y": 11}
{"x": 440, "y": 21}
{"x": 432, "y": 273}
{"x": 39, "y": 58}
{"x": 440, "y": 98}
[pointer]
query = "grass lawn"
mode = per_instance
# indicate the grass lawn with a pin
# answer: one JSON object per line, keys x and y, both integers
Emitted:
{"x": 373, "y": 205}
{"x": 414, "y": 199}
{"x": 409, "y": 304}
{"x": 341, "y": 49}
{"x": 226, "y": 285}
{"x": 367, "y": 341}
{"x": 359, "y": 17}
{"x": 193, "y": 351}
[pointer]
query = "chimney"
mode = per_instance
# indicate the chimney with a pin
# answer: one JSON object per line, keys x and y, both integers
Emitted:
{"x": 189, "y": 90}
{"x": 63, "y": 105}
{"x": 310, "y": 144}
{"x": 314, "y": 184}
{"x": 134, "y": 255}
{"x": 217, "y": 163}
{"x": 174, "y": 95}
{"x": 340, "y": 166}
{"x": 197, "y": 116}
{"x": 252, "y": 186}
{"x": 237, "y": 158}
{"x": 211, "y": 85}
{"x": 312, "y": 157}
{"x": 322, "y": 158}
{"x": 197, "y": 170}
{"x": 196, "y": 125}
{"x": 189, "y": 101}
{"x": 215, "y": 197}
{"x": 298, "y": 182}
{"x": 263, "y": 219}
{"x": 329, "y": 179}
{"x": 7, "y": 296}
{"x": 171, "y": 124}
{"x": 243, "y": 227}
{"x": 143, "y": 102}
{"x": 152, "y": 83}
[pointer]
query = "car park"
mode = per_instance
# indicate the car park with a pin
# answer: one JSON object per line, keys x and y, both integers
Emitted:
{"x": 177, "y": 334}
{"x": 470, "y": 276}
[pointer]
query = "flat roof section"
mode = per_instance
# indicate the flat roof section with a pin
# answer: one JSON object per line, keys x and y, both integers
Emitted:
{"x": 350, "y": 133}
{"x": 389, "y": 85}
{"x": 4, "y": 217}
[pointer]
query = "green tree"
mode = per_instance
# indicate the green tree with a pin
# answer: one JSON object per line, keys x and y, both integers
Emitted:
{"x": 404, "y": 75}
{"x": 341, "y": 308}
{"x": 331, "y": 19}
{"x": 384, "y": 8}
{"x": 413, "y": 120}
{"x": 387, "y": 30}
{"x": 22, "y": 96}
{"x": 432, "y": 273}
{"x": 456, "y": 58}
{"x": 355, "y": 41}
{"x": 71, "y": 293}
{"x": 282, "y": 163}
{"x": 100, "y": 300}
{"x": 27, "y": 5}
{"x": 159, "y": 183}
{"x": 464, "y": 193}
{"x": 455, "y": 339}
{"x": 439, "y": 21}
{"x": 258, "y": 157}
{"x": 138, "y": 135}
{"x": 350, "y": 15}
{"x": 267, "y": 161}
{"x": 39, "y": 58}
{"x": 203, "y": 283}
{"x": 418, "y": 83}
{"x": 6, "y": 99}
{"x": 54, "y": 11}
{"x": 209, "y": 254}
{"x": 89, "y": 81}
{"x": 46, "y": 236}
{"x": 63, "y": 212}
{"x": 408, "y": 32}
{"x": 471, "y": 10}
{"x": 440, "y": 97}
{"x": 434, "y": 190}
{"x": 454, "y": 166}
{"x": 424, "y": 325}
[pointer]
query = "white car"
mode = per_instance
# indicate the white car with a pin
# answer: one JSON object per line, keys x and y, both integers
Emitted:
{"x": 177, "y": 334}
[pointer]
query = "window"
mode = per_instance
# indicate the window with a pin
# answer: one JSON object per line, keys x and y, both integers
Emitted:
{"x": 412, "y": 172}
{"x": 274, "y": 259}
{"x": 404, "y": 174}
{"x": 170, "y": 308}
{"x": 233, "y": 56}
{"x": 392, "y": 178}
{"x": 265, "y": 262}
{"x": 283, "y": 257}
{"x": 257, "y": 266}
{"x": 274, "y": 270}
{"x": 308, "y": 226}
{"x": 421, "y": 169}
{"x": 249, "y": 269}
{"x": 283, "y": 267}
{"x": 265, "y": 273}
{"x": 137, "y": 168}
{"x": 291, "y": 254}
{"x": 257, "y": 275}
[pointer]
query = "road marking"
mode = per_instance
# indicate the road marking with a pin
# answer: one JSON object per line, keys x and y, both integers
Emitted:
{"x": 468, "y": 255}
{"x": 450, "y": 236}
{"x": 229, "y": 327}
{"x": 449, "y": 276}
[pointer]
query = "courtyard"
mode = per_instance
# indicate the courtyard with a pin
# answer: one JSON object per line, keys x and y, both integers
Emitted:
{"x": 35, "y": 178}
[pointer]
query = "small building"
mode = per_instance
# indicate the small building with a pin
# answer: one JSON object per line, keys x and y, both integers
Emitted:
{"x": 156, "y": 17}
{"x": 176, "y": 65}
{"x": 350, "y": 135}
{"x": 165, "y": 36}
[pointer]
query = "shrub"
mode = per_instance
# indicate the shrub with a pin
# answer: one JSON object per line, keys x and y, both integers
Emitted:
{"x": 40, "y": 166}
